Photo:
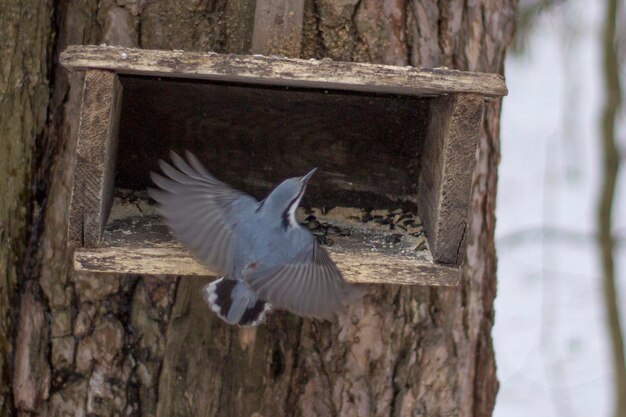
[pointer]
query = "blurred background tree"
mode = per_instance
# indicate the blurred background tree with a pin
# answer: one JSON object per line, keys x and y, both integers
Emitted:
{"x": 611, "y": 161}
{"x": 562, "y": 246}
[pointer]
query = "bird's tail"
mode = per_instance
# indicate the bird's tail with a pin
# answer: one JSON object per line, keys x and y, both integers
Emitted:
{"x": 234, "y": 302}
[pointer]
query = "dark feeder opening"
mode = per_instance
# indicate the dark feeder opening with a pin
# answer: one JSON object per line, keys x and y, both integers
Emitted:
{"x": 367, "y": 146}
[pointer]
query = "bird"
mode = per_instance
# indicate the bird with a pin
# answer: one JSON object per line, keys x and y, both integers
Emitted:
{"x": 264, "y": 259}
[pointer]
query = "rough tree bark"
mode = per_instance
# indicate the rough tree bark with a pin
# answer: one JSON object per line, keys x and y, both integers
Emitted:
{"x": 74, "y": 344}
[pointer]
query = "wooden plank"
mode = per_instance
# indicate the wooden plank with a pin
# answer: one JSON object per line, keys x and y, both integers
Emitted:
{"x": 144, "y": 245}
{"x": 370, "y": 268}
{"x": 447, "y": 167}
{"x": 92, "y": 192}
{"x": 278, "y": 27}
{"x": 283, "y": 71}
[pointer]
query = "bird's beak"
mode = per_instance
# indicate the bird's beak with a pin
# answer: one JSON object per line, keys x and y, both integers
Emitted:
{"x": 308, "y": 176}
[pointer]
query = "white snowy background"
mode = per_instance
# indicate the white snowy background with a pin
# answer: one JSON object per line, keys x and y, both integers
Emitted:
{"x": 551, "y": 343}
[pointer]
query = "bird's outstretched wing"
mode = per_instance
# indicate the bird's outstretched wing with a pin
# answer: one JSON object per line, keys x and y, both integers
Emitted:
{"x": 310, "y": 285}
{"x": 199, "y": 209}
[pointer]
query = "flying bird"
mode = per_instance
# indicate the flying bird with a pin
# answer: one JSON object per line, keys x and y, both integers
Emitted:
{"x": 263, "y": 257}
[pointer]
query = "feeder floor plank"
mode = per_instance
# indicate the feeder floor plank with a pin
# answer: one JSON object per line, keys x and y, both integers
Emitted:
{"x": 144, "y": 245}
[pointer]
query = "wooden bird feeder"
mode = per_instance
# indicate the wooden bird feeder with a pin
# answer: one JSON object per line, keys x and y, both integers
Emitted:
{"x": 383, "y": 137}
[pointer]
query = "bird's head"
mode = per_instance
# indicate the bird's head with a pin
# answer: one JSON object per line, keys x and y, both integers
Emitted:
{"x": 286, "y": 197}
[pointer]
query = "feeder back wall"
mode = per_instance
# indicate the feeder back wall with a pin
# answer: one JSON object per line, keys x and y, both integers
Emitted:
{"x": 367, "y": 146}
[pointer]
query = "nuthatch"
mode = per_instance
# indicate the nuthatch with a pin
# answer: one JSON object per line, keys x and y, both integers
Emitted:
{"x": 263, "y": 257}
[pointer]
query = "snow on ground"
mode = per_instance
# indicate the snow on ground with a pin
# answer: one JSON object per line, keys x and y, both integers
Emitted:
{"x": 551, "y": 344}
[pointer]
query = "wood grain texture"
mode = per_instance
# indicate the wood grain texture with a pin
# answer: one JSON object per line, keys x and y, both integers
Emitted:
{"x": 174, "y": 260}
{"x": 143, "y": 245}
{"x": 92, "y": 191}
{"x": 278, "y": 27}
{"x": 447, "y": 166}
{"x": 284, "y": 71}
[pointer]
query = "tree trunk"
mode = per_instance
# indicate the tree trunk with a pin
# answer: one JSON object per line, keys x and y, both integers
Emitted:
{"x": 79, "y": 344}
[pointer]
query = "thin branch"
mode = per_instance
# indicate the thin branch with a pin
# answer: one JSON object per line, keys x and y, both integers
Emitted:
{"x": 605, "y": 205}
{"x": 552, "y": 234}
